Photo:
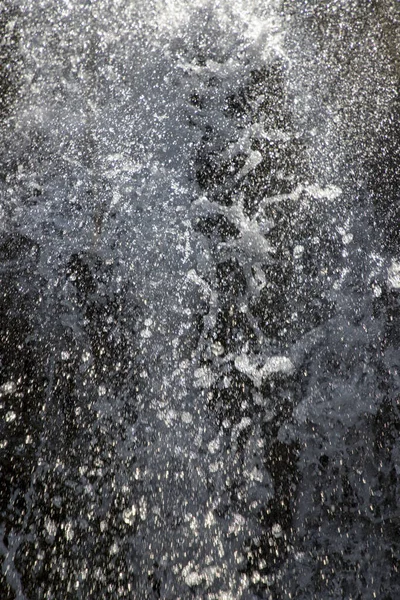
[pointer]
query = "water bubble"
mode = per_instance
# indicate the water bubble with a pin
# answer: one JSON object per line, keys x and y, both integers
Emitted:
{"x": 298, "y": 251}
{"x": 129, "y": 515}
{"x": 277, "y": 530}
{"x": 217, "y": 349}
{"x": 8, "y": 388}
{"x": 186, "y": 417}
{"x": 10, "y": 416}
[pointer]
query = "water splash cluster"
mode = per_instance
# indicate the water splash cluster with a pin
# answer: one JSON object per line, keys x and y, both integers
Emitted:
{"x": 198, "y": 309}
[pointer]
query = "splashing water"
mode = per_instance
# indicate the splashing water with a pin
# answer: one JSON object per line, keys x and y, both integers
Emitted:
{"x": 199, "y": 364}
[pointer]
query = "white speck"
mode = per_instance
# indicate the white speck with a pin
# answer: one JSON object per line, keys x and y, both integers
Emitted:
{"x": 244, "y": 422}
{"x": 273, "y": 364}
{"x": 65, "y": 355}
{"x": 278, "y": 364}
{"x": 277, "y": 530}
{"x": 10, "y": 416}
{"x": 213, "y": 446}
{"x": 143, "y": 508}
{"x": 347, "y": 238}
{"x": 50, "y": 526}
{"x": 377, "y": 291}
{"x": 102, "y": 390}
{"x": 8, "y": 388}
{"x": 86, "y": 356}
{"x": 255, "y": 577}
{"x": 193, "y": 578}
{"x": 217, "y": 349}
{"x": 237, "y": 524}
{"x": 146, "y": 333}
{"x": 114, "y": 548}
{"x": 116, "y": 198}
{"x": 129, "y": 515}
{"x": 186, "y": 417}
{"x": 394, "y": 275}
{"x": 298, "y": 251}
{"x": 214, "y": 467}
{"x": 209, "y": 520}
{"x": 204, "y": 378}
{"x": 256, "y": 475}
{"x": 330, "y": 192}
{"x": 69, "y": 532}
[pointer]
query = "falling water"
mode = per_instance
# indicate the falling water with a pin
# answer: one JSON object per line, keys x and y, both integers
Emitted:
{"x": 199, "y": 288}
